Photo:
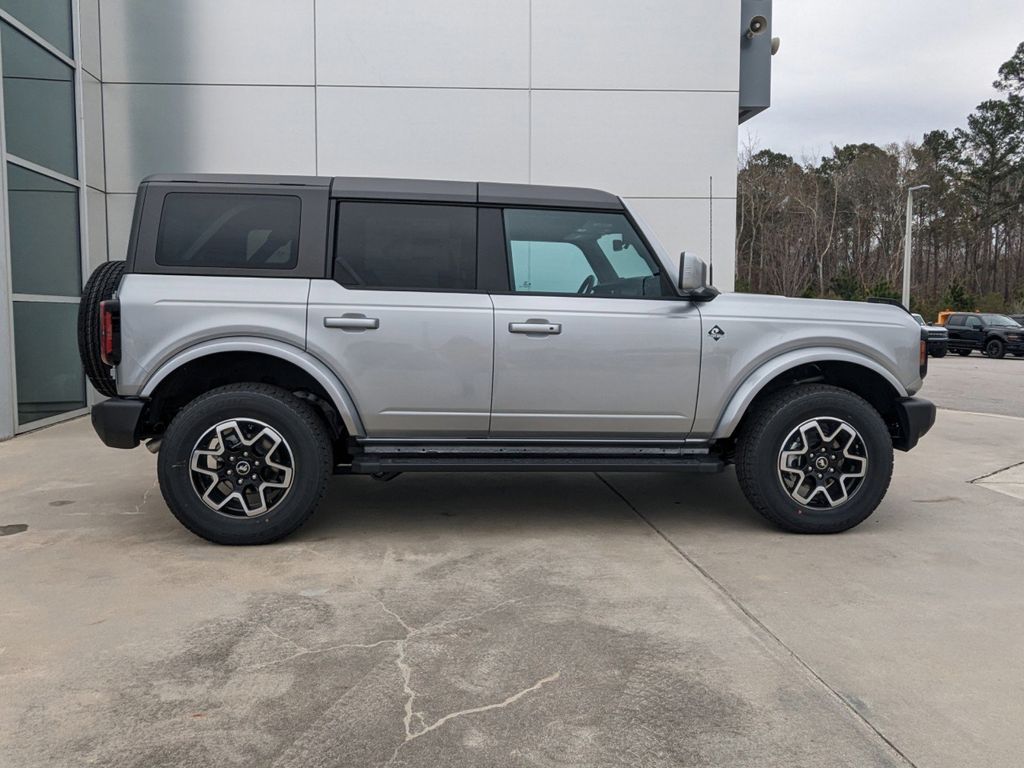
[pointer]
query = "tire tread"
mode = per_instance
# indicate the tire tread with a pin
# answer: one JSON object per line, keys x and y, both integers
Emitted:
{"x": 101, "y": 286}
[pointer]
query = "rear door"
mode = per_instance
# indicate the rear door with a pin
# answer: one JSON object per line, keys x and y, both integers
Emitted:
{"x": 974, "y": 331}
{"x": 957, "y": 330}
{"x": 591, "y": 339}
{"x": 402, "y": 323}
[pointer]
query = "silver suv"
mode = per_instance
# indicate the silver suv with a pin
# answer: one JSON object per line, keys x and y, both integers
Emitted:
{"x": 266, "y": 332}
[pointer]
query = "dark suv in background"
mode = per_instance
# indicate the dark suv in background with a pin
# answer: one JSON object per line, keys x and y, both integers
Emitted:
{"x": 995, "y": 335}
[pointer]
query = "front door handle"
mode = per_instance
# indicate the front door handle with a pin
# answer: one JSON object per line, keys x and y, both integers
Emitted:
{"x": 536, "y": 327}
{"x": 352, "y": 323}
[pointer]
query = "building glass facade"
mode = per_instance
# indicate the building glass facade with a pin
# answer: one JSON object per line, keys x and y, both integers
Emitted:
{"x": 42, "y": 212}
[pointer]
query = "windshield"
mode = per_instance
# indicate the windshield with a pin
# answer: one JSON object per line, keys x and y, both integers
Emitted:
{"x": 920, "y": 320}
{"x": 999, "y": 320}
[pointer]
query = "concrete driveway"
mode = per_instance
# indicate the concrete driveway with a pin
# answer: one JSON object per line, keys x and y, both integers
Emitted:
{"x": 507, "y": 620}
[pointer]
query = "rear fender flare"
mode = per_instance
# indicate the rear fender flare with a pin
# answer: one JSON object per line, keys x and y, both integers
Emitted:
{"x": 340, "y": 398}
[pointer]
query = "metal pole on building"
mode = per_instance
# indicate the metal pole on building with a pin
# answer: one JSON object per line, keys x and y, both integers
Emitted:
{"x": 907, "y": 242}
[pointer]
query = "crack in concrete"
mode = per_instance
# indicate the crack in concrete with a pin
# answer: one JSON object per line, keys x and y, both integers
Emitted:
{"x": 304, "y": 651}
{"x": 996, "y": 472}
{"x": 411, "y": 733}
{"x": 145, "y": 498}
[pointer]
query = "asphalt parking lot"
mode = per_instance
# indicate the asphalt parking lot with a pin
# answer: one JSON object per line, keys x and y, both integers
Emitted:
{"x": 506, "y": 620}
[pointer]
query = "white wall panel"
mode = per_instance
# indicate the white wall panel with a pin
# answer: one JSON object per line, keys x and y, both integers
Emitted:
{"x": 642, "y": 44}
{"x": 96, "y": 215}
{"x": 264, "y": 42}
{"x": 647, "y": 144}
{"x": 424, "y": 42}
{"x": 206, "y": 129}
{"x": 93, "y": 113}
{"x": 685, "y": 225}
{"x": 89, "y": 29}
{"x": 119, "y": 224}
{"x": 424, "y": 133}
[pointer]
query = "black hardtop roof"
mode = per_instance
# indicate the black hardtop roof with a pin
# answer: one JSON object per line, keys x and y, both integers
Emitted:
{"x": 416, "y": 190}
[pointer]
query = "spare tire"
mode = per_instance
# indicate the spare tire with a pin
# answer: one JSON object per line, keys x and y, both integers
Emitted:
{"x": 100, "y": 287}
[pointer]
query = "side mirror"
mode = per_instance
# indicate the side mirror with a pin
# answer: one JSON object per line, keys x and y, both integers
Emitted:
{"x": 693, "y": 279}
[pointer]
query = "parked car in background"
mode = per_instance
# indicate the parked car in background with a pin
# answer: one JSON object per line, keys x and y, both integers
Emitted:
{"x": 1018, "y": 318}
{"x": 938, "y": 337}
{"x": 995, "y": 335}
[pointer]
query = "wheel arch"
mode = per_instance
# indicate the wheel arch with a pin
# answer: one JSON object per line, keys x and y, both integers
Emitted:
{"x": 236, "y": 360}
{"x": 848, "y": 370}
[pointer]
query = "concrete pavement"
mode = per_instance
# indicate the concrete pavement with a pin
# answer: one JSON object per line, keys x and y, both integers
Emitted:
{"x": 977, "y": 384}
{"x": 508, "y": 620}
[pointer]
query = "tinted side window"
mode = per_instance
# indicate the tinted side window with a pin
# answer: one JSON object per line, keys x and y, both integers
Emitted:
{"x": 581, "y": 252}
{"x": 956, "y": 320}
{"x": 406, "y": 246}
{"x": 199, "y": 229}
{"x": 974, "y": 323}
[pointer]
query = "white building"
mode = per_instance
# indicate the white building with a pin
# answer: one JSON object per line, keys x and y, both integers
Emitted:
{"x": 638, "y": 97}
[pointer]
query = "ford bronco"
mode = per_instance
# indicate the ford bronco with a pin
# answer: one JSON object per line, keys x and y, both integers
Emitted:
{"x": 266, "y": 332}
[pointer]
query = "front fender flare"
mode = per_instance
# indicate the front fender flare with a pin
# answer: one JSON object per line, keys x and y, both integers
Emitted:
{"x": 340, "y": 398}
{"x": 760, "y": 377}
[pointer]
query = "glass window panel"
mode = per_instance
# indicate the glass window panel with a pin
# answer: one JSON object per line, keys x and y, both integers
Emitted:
{"x": 39, "y": 104}
{"x": 49, "y": 373}
{"x": 50, "y": 19}
{"x": 582, "y": 252}
{"x": 45, "y": 255}
{"x": 226, "y": 230}
{"x": 411, "y": 246}
{"x": 548, "y": 267}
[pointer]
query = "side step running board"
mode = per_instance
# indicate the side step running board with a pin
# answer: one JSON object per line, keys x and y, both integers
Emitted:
{"x": 376, "y": 464}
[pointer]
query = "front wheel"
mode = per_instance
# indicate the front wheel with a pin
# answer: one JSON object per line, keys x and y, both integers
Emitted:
{"x": 939, "y": 352}
{"x": 964, "y": 352}
{"x": 244, "y": 464}
{"x": 815, "y": 459}
{"x": 995, "y": 349}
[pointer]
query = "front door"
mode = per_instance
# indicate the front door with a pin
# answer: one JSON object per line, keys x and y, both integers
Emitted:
{"x": 591, "y": 340}
{"x": 402, "y": 323}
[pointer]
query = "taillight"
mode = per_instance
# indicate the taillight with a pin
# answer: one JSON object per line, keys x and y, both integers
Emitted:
{"x": 110, "y": 332}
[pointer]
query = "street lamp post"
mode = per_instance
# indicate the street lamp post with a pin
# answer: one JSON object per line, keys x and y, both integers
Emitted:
{"x": 907, "y": 242}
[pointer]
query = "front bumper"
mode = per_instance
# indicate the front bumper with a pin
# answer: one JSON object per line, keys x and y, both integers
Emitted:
{"x": 118, "y": 420}
{"x": 915, "y": 417}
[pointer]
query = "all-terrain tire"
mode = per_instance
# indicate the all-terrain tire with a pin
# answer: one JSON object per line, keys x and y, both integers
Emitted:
{"x": 304, "y": 435}
{"x": 964, "y": 352}
{"x": 995, "y": 349}
{"x": 101, "y": 286}
{"x": 939, "y": 353}
{"x": 764, "y": 437}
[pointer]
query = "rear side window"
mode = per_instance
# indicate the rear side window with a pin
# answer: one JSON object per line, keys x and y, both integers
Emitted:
{"x": 405, "y": 246}
{"x": 229, "y": 230}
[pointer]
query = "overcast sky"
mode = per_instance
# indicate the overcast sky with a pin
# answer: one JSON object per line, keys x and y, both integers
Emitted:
{"x": 880, "y": 70}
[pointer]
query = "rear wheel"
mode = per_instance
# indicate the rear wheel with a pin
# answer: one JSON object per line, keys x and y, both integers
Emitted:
{"x": 815, "y": 459}
{"x": 995, "y": 349}
{"x": 101, "y": 286}
{"x": 244, "y": 464}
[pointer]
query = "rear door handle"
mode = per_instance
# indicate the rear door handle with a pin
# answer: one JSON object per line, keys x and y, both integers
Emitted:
{"x": 538, "y": 327}
{"x": 353, "y": 323}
